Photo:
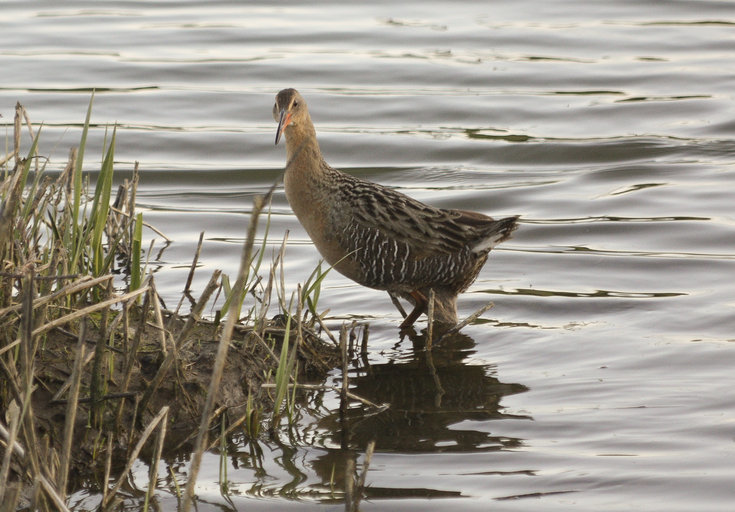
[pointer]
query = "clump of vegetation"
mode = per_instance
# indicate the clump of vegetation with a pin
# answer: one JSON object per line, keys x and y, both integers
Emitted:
{"x": 94, "y": 371}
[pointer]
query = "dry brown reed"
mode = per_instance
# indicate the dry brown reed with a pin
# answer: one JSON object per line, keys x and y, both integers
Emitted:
{"x": 79, "y": 343}
{"x": 233, "y": 313}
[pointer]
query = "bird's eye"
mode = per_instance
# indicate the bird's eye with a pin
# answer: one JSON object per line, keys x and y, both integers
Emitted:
{"x": 295, "y": 103}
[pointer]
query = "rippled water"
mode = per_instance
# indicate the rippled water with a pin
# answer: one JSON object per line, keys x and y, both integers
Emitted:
{"x": 602, "y": 378}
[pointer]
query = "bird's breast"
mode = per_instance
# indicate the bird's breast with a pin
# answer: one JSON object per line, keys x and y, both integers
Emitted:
{"x": 322, "y": 216}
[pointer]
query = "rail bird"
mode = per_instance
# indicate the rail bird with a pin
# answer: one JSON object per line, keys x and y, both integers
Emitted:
{"x": 377, "y": 236}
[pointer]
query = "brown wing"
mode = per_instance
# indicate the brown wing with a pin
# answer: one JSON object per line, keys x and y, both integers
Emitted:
{"x": 426, "y": 229}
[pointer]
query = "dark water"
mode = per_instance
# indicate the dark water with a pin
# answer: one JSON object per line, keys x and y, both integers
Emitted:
{"x": 603, "y": 377}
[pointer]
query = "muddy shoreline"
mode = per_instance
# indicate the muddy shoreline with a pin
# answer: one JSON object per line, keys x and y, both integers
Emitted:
{"x": 242, "y": 402}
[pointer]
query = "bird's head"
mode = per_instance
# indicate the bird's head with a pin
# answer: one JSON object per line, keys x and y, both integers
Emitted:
{"x": 289, "y": 110}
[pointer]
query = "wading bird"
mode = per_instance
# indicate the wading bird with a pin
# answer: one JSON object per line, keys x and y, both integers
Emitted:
{"x": 377, "y": 236}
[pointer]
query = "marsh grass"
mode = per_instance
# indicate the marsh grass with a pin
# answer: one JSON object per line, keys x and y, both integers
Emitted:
{"x": 94, "y": 372}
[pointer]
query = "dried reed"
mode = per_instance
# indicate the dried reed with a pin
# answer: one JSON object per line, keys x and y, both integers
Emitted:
{"x": 59, "y": 247}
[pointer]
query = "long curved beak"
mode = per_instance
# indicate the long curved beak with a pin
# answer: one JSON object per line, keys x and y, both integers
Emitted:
{"x": 283, "y": 120}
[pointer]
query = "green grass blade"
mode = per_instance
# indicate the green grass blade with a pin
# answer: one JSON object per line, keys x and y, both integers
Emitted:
{"x": 101, "y": 206}
{"x": 135, "y": 256}
{"x": 227, "y": 287}
{"x": 28, "y": 160}
{"x": 77, "y": 189}
{"x": 282, "y": 375}
{"x": 79, "y": 233}
{"x": 31, "y": 203}
{"x": 311, "y": 291}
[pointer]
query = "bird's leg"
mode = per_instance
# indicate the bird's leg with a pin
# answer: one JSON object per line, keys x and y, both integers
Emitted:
{"x": 397, "y": 304}
{"x": 419, "y": 307}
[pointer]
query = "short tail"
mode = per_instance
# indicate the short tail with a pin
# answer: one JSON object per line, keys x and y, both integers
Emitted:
{"x": 496, "y": 231}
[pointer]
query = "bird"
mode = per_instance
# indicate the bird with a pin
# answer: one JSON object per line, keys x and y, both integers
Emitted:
{"x": 377, "y": 236}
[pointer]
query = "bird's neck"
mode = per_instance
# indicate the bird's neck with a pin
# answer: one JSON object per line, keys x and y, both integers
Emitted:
{"x": 305, "y": 177}
{"x": 302, "y": 149}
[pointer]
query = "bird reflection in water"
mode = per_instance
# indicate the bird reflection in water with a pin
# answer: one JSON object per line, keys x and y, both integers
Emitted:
{"x": 428, "y": 393}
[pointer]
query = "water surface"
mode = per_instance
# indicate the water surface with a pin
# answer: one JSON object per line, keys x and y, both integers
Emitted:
{"x": 602, "y": 378}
